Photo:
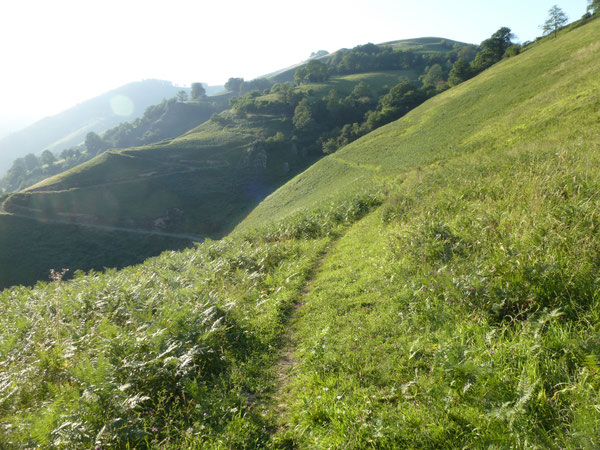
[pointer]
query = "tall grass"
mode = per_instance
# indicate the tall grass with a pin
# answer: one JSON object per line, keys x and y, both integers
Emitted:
{"x": 175, "y": 351}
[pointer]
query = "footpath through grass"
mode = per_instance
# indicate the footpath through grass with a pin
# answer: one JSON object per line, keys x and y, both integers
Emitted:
{"x": 176, "y": 352}
{"x": 462, "y": 314}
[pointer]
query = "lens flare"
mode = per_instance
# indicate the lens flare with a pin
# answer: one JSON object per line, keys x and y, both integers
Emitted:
{"x": 121, "y": 105}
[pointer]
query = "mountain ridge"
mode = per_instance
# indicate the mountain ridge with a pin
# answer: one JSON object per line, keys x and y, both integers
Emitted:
{"x": 70, "y": 126}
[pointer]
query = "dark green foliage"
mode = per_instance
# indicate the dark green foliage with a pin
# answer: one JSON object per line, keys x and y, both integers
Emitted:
{"x": 313, "y": 72}
{"x": 303, "y": 116}
{"x": 493, "y": 49}
{"x": 31, "y": 161}
{"x": 234, "y": 85}
{"x": 593, "y": 6}
{"x": 47, "y": 157}
{"x": 461, "y": 71}
{"x": 371, "y": 57}
{"x": 29, "y": 170}
{"x": 513, "y": 50}
{"x": 198, "y": 91}
{"x": 433, "y": 76}
{"x": 94, "y": 143}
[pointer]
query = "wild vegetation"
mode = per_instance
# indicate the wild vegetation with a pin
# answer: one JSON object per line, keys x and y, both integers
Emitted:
{"x": 175, "y": 352}
{"x": 206, "y": 181}
{"x": 453, "y": 305}
{"x": 165, "y": 120}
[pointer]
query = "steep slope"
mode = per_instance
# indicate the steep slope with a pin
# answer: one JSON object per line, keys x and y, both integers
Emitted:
{"x": 461, "y": 313}
{"x": 202, "y": 183}
{"x": 98, "y": 114}
{"x": 205, "y": 182}
{"x": 506, "y": 107}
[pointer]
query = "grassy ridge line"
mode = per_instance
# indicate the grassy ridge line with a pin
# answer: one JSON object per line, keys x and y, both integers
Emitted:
{"x": 515, "y": 101}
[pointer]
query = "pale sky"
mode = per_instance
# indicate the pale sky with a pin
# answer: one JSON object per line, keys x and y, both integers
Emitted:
{"x": 56, "y": 53}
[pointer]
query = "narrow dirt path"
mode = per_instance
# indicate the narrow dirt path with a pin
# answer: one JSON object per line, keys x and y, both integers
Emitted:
{"x": 288, "y": 360}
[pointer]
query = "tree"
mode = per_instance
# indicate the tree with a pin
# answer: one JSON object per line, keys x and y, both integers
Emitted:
{"x": 182, "y": 96}
{"x": 556, "y": 19}
{"x": 31, "y": 161}
{"x": 234, "y": 85}
{"x": 303, "y": 117}
{"x": 594, "y": 6}
{"x": 433, "y": 76}
{"x": 319, "y": 53}
{"x": 94, "y": 143}
{"x": 47, "y": 157}
{"x": 198, "y": 91}
{"x": 513, "y": 50}
{"x": 361, "y": 90}
{"x": 314, "y": 72}
{"x": 461, "y": 71}
{"x": 492, "y": 49}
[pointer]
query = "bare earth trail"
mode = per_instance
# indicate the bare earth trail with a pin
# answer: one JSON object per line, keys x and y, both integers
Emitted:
{"x": 284, "y": 367}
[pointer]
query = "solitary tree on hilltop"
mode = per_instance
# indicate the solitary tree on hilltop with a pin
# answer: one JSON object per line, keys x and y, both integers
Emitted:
{"x": 556, "y": 19}
{"x": 234, "y": 85}
{"x": 198, "y": 91}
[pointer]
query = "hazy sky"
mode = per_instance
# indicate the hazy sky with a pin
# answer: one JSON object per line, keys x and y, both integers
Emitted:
{"x": 57, "y": 53}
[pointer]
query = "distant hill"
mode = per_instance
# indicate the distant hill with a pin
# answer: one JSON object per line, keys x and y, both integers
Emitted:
{"x": 12, "y": 124}
{"x": 69, "y": 127}
{"x": 206, "y": 181}
{"x": 426, "y": 45}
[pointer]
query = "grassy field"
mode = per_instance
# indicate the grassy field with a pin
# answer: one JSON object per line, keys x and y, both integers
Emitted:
{"x": 432, "y": 285}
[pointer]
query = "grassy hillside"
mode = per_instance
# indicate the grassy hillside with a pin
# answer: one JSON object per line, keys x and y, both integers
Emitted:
{"x": 426, "y": 45}
{"x": 206, "y": 181}
{"x": 457, "y": 307}
{"x": 202, "y": 183}
{"x": 510, "y": 106}
{"x": 30, "y": 249}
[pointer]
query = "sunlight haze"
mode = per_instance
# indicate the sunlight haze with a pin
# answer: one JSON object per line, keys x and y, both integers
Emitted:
{"x": 57, "y": 54}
